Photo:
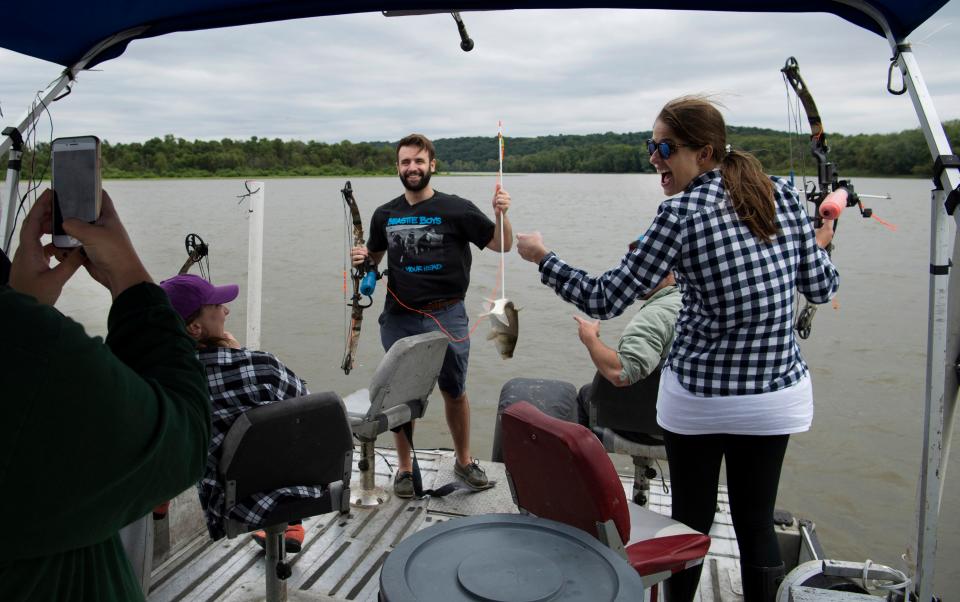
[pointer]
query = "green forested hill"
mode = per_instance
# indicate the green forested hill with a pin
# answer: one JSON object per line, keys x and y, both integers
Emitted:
{"x": 898, "y": 154}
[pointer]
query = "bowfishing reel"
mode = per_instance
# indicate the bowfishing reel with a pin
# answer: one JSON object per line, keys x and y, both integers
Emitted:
{"x": 829, "y": 205}
{"x": 368, "y": 284}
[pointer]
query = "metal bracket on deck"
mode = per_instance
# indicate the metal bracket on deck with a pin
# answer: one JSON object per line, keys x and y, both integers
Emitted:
{"x": 854, "y": 570}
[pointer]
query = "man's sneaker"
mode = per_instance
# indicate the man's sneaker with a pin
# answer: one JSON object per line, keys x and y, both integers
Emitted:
{"x": 403, "y": 485}
{"x": 472, "y": 475}
{"x": 292, "y": 538}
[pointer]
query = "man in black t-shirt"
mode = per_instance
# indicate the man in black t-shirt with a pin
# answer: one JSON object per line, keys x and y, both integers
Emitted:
{"x": 426, "y": 235}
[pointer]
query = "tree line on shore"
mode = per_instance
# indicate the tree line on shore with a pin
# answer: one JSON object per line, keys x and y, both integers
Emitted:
{"x": 900, "y": 154}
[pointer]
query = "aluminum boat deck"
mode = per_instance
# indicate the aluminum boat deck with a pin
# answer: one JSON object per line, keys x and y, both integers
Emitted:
{"x": 342, "y": 554}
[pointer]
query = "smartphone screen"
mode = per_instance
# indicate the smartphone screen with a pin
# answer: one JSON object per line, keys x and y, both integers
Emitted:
{"x": 76, "y": 184}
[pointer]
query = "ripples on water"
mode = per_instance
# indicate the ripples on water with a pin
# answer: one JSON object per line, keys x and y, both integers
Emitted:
{"x": 854, "y": 473}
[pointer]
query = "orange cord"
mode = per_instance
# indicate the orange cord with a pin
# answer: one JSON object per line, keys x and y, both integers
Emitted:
{"x": 432, "y": 317}
{"x": 888, "y": 225}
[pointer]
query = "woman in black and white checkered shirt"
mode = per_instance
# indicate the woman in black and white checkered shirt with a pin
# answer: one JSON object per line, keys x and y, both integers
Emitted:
{"x": 735, "y": 386}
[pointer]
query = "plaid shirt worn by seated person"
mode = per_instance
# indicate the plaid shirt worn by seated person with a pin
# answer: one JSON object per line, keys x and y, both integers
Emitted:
{"x": 240, "y": 380}
{"x": 734, "y": 335}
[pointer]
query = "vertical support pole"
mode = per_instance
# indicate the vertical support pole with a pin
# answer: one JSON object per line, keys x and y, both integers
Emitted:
{"x": 13, "y": 195}
{"x": 368, "y": 481}
{"x": 641, "y": 484}
{"x": 943, "y": 338}
{"x": 936, "y": 433}
{"x": 13, "y": 187}
{"x": 369, "y": 494}
{"x": 276, "y": 587}
{"x": 254, "y": 264}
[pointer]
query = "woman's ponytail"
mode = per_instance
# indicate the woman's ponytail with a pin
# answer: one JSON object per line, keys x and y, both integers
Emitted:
{"x": 751, "y": 192}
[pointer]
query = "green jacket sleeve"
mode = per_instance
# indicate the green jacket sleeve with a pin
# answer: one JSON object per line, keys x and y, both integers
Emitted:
{"x": 94, "y": 434}
{"x": 647, "y": 338}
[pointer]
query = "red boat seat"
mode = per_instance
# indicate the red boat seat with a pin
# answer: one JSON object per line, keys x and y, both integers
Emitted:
{"x": 560, "y": 470}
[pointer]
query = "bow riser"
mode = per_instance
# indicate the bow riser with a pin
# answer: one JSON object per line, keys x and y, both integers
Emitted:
{"x": 360, "y": 277}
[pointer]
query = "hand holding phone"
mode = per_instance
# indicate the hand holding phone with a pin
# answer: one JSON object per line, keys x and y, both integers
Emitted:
{"x": 30, "y": 272}
{"x": 76, "y": 184}
{"x": 111, "y": 259}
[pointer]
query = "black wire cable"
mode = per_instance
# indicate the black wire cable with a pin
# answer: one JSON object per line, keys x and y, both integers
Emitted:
{"x": 33, "y": 183}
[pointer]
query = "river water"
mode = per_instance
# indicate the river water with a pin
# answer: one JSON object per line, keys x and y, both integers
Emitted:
{"x": 854, "y": 474}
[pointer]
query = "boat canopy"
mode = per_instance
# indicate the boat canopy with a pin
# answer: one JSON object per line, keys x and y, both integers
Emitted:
{"x": 63, "y": 31}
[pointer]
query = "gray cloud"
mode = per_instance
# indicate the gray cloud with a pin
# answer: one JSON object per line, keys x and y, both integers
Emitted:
{"x": 366, "y": 77}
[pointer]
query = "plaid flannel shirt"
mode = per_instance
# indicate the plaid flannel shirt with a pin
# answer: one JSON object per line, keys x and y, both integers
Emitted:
{"x": 239, "y": 380}
{"x": 734, "y": 335}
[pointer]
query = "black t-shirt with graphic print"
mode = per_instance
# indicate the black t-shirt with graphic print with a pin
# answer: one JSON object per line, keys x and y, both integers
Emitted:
{"x": 427, "y": 244}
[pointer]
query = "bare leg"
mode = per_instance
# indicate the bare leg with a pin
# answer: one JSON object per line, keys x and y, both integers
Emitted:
{"x": 404, "y": 462}
{"x": 457, "y": 410}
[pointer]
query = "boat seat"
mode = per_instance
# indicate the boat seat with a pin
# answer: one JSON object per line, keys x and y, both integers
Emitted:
{"x": 625, "y": 421}
{"x": 304, "y": 441}
{"x": 623, "y": 418}
{"x": 560, "y": 471}
{"x": 398, "y": 393}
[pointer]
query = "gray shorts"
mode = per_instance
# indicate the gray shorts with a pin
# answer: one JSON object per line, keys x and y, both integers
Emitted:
{"x": 453, "y": 374}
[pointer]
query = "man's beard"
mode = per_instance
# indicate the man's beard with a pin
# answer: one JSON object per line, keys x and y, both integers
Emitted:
{"x": 424, "y": 180}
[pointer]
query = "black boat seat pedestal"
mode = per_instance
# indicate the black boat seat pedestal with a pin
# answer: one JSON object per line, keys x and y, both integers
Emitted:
{"x": 304, "y": 441}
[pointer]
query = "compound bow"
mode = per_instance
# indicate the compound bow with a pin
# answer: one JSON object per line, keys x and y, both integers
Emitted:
{"x": 364, "y": 278}
{"x": 829, "y": 189}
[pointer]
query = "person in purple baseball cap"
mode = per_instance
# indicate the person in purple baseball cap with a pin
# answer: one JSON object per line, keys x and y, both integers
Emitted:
{"x": 239, "y": 379}
{"x": 203, "y": 308}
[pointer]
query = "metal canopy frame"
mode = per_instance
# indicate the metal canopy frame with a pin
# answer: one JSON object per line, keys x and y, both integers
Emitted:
{"x": 943, "y": 328}
{"x": 10, "y": 142}
{"x": 943, "y": 317}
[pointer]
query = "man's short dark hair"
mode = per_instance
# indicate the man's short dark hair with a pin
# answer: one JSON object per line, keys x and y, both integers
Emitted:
{"x": 418, "y": 140}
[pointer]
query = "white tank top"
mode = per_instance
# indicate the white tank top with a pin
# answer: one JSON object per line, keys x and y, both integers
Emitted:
{"x": 780, "y": 412}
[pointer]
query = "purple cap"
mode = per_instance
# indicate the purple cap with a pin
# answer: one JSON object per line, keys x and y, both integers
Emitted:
{"x": 188, "y": 293}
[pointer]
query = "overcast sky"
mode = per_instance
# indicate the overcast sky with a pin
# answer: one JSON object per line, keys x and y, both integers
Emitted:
{"x": 367, "y": 77}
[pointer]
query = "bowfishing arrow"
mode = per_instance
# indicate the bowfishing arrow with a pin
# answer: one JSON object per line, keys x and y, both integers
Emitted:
{"x": 364, "y": 278}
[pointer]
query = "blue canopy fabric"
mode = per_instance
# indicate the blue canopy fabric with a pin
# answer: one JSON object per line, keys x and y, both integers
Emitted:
{"x": 63, "y": 31}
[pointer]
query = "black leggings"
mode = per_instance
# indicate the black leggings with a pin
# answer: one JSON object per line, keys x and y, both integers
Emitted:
{"x": 753, "y": 475}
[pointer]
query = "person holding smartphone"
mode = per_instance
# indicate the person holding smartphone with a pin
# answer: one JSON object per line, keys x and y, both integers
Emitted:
{"x": 239, "y": 379}
{"x": 735, "y": 385}
{"x": 93, "y": 432}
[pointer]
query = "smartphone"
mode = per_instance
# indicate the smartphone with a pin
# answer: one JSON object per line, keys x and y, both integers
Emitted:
{"x": 76, "y": 184}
